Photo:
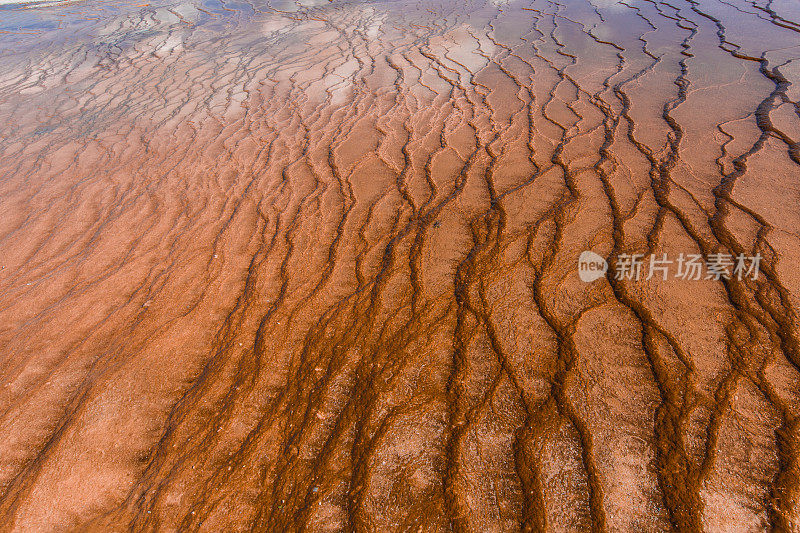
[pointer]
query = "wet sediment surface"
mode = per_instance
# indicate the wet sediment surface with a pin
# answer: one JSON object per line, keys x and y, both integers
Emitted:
{"x": 314, "y": 266}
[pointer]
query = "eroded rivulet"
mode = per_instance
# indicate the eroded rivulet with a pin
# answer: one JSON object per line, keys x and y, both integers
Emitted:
{"x": 312, "y": 266}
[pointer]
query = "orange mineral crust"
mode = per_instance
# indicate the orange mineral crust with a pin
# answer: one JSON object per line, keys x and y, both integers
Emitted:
{"x": 389, "y": 266}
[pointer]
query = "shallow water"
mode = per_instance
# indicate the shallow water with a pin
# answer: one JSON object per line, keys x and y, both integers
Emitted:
{"x": 314, "y": 265}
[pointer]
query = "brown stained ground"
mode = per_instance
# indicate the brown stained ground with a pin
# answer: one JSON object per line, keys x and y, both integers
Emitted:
{"x": 313, "y": 266}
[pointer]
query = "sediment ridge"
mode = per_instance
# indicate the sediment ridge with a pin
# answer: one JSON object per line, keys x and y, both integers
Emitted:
{"x": 313, "y": 266}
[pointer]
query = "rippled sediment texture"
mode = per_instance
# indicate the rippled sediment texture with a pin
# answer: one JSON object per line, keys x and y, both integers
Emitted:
{"x": 314, "y": 267}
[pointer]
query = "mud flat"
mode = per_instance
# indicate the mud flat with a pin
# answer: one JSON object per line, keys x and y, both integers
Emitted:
{"x": 313, "y": 266}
